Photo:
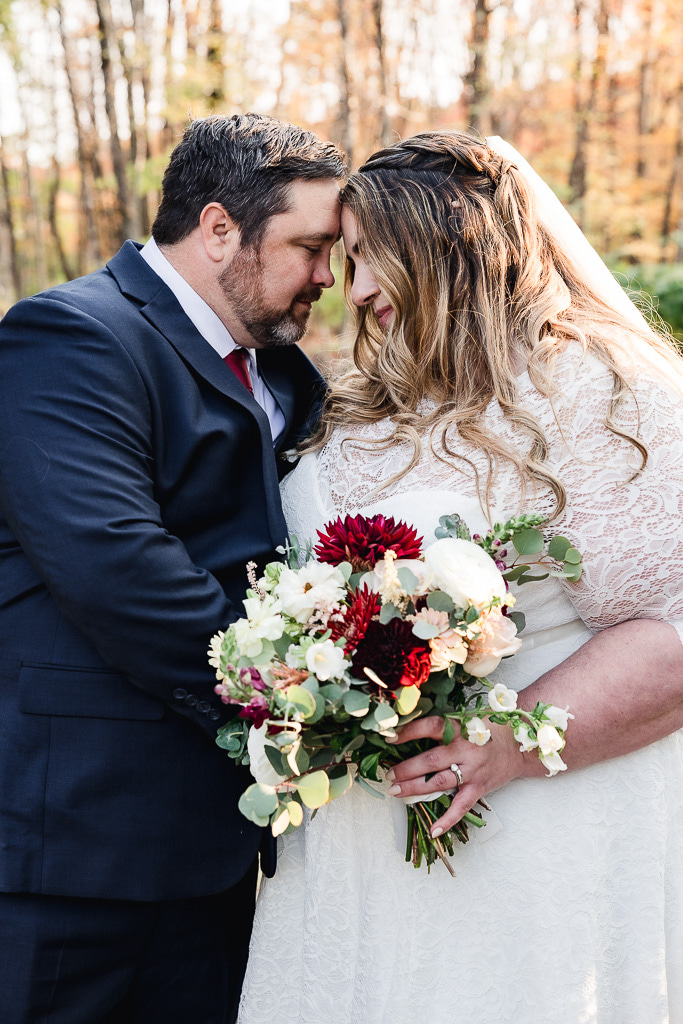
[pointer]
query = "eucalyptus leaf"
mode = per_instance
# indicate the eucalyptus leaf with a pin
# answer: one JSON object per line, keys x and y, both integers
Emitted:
{"x": 406, "y": 699}
{"x": 532, "y": 579}
{"x": 282, "y": 645}
{"x": 345, "y": 568}
{"x": 258, "y": 802}
{"x": 409, "y": 580}
{"x": 519, "y": 619}
{"x": 439, "y": 601}
{"x": 425, "y": 630}
{"x": 267, "y": 653}
{"x": 302, "y": 700}
{"x": 314, "y": 789}
{"x": 515, "y": 572}
{"x": 332, "y": 692}
{"x": 558, "y": 547}
{"x": 573, "y": 556}
{"x": 528, "y": 542}
{"x": 388, "y": 612}
{"x": 356, "y": 703}
{"x": 340, "y": 784}
{"x": 276, "y": 759}
{"x": 360, "y": 781}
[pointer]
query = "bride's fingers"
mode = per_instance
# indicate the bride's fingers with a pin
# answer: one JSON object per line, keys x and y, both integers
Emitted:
{"x": 421, "y": 785}
{"x": 463, "y": 801}
{"x": 421, "y": 728}
{"x": 436, "y": 760}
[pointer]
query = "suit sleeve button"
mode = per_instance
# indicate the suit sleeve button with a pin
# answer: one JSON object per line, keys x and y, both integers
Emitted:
{"x": 203, "y": 707}
{"x": 180, "y": 694}
{"x": 214, "y": 715}
{"x": 191, "y": 700}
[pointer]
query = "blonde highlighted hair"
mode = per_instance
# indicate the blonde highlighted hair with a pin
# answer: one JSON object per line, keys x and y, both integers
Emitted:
{"x": 479, "y": 290}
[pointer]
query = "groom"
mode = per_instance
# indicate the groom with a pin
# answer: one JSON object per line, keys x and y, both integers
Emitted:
{"x": 142, "y": 412}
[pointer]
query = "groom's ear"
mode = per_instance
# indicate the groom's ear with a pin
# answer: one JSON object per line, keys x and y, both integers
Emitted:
{"x": 219, "y": 232}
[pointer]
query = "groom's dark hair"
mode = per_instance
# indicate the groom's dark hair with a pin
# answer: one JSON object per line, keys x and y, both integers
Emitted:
{"x": 246, "y": 163}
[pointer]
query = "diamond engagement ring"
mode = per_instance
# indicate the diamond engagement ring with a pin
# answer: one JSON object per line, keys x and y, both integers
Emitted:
{"x": 455, "y": 768}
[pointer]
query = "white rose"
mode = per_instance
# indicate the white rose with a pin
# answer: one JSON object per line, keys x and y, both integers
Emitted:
{"x": 554, "y": 763}
{"x": 465, "y": 572}
{"x": 549, "y": 739}
{"x": 477, "y": 732}
{"x": 527, "y": 741}
{"x": 502, "y": 699}
{"x": 316, "y": 586}
{"x": 326, "y": 661}
{"x": 559, "y": 717}
{"x": 259, "y": 765}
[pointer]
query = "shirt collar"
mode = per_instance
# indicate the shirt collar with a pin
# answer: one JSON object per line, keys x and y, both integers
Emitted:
{"x": 207, "y": 322}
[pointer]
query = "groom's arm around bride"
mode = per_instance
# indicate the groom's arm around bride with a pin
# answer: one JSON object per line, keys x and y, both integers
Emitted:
{"x": 138, "y": 476}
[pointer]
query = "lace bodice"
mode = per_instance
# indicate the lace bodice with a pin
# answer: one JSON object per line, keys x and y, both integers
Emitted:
{"x": 628, "y": 530}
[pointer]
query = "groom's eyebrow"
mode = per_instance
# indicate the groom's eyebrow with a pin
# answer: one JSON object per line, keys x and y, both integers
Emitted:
{"x": 319, "y": 236}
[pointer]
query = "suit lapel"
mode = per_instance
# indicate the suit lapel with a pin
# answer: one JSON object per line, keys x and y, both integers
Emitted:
{"x": 161, "y": 309}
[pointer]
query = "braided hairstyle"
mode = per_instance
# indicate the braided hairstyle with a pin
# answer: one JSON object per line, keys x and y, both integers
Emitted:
{"x": 480, "y": 293}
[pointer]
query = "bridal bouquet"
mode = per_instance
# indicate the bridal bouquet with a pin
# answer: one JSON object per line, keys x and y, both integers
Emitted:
{"x": 333, "y": 656}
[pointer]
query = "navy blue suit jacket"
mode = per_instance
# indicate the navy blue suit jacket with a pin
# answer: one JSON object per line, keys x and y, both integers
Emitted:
{"x": 137, "y": 478}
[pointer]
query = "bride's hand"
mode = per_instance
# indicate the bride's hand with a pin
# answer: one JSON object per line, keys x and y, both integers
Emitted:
{"x": 484, "y": 768}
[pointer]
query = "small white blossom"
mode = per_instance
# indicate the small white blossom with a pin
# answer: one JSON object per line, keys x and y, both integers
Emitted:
{"x": 502, "y": 699}
{"x": 326, "y": 661}
{"x": 549, "y": 740}
{"x": 526, "y": 739}
{"x": 477, "y": 732}
{"x": 554, "y": 763}
{"x": 263, "y": 622}
{"x": 559, "y": 717}
{"x": 259, "y": 765}
{"x": 214, "y": 652}
{"x": 315, "y": 587}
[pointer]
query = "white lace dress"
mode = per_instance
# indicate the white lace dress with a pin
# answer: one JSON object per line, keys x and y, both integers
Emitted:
{"x": 568, "y": 908}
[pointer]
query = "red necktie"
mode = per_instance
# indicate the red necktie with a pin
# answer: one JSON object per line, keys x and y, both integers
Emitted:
{"x": 238, "y": 361}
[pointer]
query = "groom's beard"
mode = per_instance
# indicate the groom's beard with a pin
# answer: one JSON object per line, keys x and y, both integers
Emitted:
{"x": 242, "y": 285}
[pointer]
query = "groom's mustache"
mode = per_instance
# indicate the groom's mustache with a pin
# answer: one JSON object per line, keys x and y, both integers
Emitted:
{"x": 309, "y": 296}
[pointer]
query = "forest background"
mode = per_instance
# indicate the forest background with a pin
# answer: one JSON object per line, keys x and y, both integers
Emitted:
{"x": 95, "y": 93}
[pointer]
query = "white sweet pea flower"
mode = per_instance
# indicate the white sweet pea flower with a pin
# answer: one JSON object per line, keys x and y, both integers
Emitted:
{"x": 465, "y": 572}
{"x": 215, "y": 651}
{"x": 316, "y": 586}
{"x": 477, "y": 732}
{"x": 326, "y": 661}
{"x": 526, "y": 739}
{"x": 559, "y": 717}
{"x": 549, "y": 740}
{"x": 259, "y": 765}
{"x": 263, "y": 622}
{"x": 554, "y": 763}
{"x": 502, "y": 699}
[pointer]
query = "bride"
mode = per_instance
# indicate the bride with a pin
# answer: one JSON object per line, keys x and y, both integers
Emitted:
{"x": 498, "y": 368}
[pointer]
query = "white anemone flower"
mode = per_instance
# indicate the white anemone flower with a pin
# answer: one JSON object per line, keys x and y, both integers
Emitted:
{"x": 314, "y": 587}
{"x": 326, "y": 661}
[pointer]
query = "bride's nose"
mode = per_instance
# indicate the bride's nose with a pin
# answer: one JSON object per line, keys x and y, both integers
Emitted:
{"x": 364, "y": 288}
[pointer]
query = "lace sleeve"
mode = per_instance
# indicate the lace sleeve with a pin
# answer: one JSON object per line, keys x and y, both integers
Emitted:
{"x": 630, "y": 532}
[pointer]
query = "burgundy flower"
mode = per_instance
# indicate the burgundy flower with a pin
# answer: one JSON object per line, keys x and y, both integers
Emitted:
{"x": 394, "y": 653}
{"x": 353, "y": 627}
{"x": 256, "y": 711}
{"x": 362, "y": 542}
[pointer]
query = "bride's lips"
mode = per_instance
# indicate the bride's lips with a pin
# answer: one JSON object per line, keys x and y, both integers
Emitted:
{"x": 384, "y": 315}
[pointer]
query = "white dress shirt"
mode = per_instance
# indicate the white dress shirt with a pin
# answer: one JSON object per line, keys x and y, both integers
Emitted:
{"x": 212, "y": 329}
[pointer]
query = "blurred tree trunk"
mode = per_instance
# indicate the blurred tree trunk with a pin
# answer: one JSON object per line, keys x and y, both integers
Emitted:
{"x": 8, "y": 223}
{"x": 106, "y": 33}
{"x": 344, "y": 130}
{"x": 673, "y": 187}
{"x": 166, "y": 133}
{"x": 644, "y": 89}
{"x": 215, "y": 56}
{"x": 476, "y": 86}
{"x": 88, "y": 255}
{"x": 584, "y": 109}
{"x": 377, "y": 18}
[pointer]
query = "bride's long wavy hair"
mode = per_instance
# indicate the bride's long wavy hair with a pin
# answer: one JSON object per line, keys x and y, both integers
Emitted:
{"x": 479, "y": 288}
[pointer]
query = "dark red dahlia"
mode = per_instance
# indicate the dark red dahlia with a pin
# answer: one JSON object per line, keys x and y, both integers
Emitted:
{"x": 363, "y": 542}
{"x": 353, "y": 627}
{"x": 394, "y": 653}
